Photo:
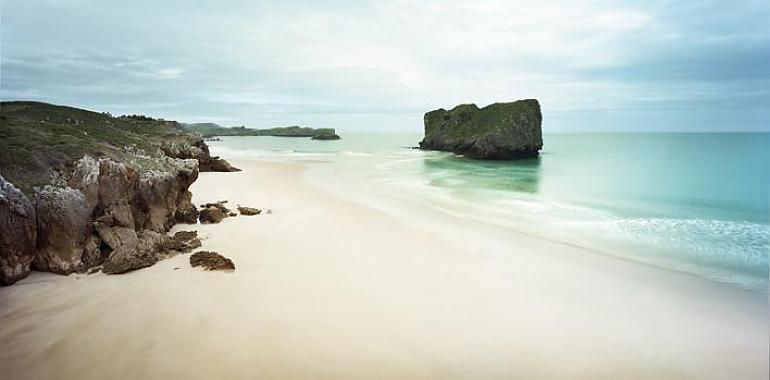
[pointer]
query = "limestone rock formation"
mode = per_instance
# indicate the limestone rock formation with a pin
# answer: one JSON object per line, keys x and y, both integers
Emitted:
{"x": 198, "y": 150}
{"x": 498, "y": 131}
{"x": 163, "y": 197}
{"x": 211, "y": 261}
{"x": 18, "y": 233}
{"x": 136, "y": 251}
{"x": 63, "y": 226}
{"x": 104, "y": 207}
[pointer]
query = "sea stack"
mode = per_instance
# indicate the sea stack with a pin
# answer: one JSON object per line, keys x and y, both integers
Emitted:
{"x": 499, "y": 131}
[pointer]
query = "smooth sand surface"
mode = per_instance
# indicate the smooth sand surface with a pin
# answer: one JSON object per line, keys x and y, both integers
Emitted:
{"x": 326, "y": 288}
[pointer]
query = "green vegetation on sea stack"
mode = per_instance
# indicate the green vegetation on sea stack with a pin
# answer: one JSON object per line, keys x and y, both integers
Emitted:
{"x": 37, "y": 139}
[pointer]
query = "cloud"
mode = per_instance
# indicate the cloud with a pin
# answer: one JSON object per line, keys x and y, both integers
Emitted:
{"x": 170, "y": 72}
{"x": 381, "y": 64}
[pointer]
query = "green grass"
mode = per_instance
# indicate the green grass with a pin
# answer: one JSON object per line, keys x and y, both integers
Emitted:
{"x": 36, "y": 139}
{"x": 467, "y": 120}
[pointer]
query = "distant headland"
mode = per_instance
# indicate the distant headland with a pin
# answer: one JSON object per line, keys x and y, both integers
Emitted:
{"x": 212, "y": 129}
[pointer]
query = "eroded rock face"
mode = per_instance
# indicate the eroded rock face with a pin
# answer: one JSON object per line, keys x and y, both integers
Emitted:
{"x": 163, "y": 197}
{"x": 105, "y": 213}
{"x": 211, "y": 261}
{"x": 499, "y": 131}
{"x": 63, "y": 225}
{"x": 18, "y": 233}
{"x": 198, "y": 150}
{"x": 136, "y": 251}
{"x": 214, "y": 212}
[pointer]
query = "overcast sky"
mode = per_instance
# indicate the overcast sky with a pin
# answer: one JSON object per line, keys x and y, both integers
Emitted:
{"x": 379, "y": 65}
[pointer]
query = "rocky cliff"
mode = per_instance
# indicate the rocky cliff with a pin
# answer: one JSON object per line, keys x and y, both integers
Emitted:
{"x": 195, "y": 148}
{"x": 18, "y": 224}
{"x": 90, "y": 190}
{"x": 498, "y": 131}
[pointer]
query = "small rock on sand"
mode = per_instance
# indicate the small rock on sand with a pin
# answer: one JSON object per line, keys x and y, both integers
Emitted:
{"x": 211, "y": 215}
{"x": 211, "y": 261}
{"x": 249, "y": 210}
{"x": 185, "y": 241}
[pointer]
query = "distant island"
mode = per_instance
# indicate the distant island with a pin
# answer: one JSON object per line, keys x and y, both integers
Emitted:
{"x": 499, "y": 131}
{"x": 212, "y": 129}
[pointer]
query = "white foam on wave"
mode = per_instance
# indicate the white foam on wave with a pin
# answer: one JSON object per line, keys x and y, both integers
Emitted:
{"x": 722, "y": 250}
{"x": 265, "y": 154}
{"x": 351, "y": 153}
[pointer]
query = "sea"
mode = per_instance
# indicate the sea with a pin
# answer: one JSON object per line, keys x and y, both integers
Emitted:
{"x": 695, "y": 203}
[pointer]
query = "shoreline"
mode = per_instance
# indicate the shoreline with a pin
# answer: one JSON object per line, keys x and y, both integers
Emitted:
{"x": 333, "y": 288}
{"x": 383, "y": 199}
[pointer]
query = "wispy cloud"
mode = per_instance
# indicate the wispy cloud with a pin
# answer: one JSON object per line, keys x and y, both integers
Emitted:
{"x": 337, "y": 63}
{"x": 170, "y": 72}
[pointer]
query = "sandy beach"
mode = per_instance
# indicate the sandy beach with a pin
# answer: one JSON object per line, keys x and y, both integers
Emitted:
{"x": 333, "y": 288}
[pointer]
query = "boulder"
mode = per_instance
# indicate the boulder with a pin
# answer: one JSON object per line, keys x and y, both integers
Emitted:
{"x": 249, "y": 210}
{"x": 185, "y": 241}
{"x": 163, "y": 197}
{"x": 98, "y": 214}
{"x": 217, "y": 164}
{"x": 211, "y": 261}
{"x": 220, "y": 205}
{"x": 18, "y": 240}
{"x": 211, "y": 215}
{"x": 197, "y": 150}
{"x": 498, "y": 131}
{"x": 135, "y": 253}
{"x": 85, "y": 177}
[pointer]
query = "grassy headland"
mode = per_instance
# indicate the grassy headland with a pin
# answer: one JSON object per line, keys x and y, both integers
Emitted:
{"x": 37, "y": 138}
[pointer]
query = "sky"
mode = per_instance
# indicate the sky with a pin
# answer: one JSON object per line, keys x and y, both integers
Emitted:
{"x": 380, "y": 65}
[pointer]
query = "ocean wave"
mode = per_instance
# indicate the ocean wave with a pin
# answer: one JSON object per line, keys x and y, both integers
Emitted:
{"x": 266, "y": 154}
{"x": 730, "y": 251}
{"x": 352, "y": 153}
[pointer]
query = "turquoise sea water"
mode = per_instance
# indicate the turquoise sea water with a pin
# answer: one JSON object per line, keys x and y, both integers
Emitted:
{"x": 697, "y": 203}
